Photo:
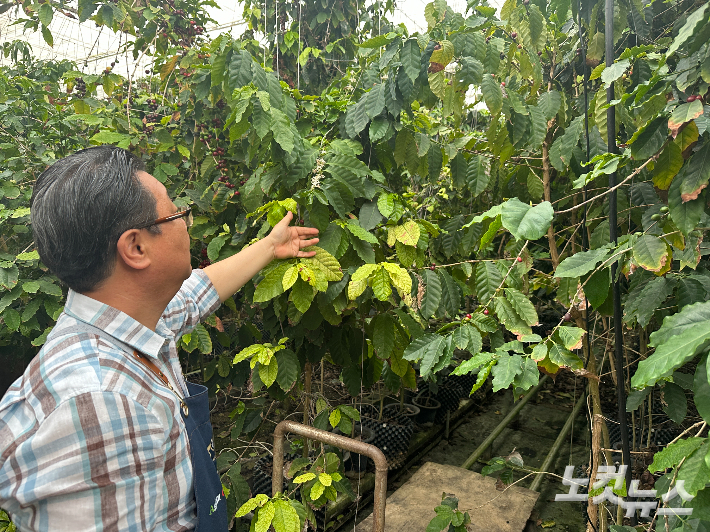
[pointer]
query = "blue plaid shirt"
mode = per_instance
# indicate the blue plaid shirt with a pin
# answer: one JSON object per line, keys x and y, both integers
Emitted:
{"x": 90, "y": 439}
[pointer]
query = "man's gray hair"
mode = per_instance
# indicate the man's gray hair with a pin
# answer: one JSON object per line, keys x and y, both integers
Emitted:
{"x": 80, "y": 207}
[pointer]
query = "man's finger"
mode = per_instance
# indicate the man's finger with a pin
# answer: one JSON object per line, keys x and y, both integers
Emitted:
{"x": 304, "y": 231}
{"x": 311, "y": 242}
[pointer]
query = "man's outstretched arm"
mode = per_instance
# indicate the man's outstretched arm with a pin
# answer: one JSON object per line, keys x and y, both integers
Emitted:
{"x": 283, "y": 242}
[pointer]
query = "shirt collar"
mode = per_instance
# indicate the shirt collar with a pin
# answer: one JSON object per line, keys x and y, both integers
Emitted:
{"x": 116, "y": 323}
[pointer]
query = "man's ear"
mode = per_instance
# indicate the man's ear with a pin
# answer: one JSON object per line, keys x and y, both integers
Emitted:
{"x": 131, "y": 248}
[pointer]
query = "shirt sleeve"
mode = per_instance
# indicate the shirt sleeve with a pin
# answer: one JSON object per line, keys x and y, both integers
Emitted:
{"x": 97, "y": 462}
{"x": 194, "y": 302}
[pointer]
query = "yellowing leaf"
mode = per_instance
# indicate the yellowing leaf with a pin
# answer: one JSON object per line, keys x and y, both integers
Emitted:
{"x": 316, "y": 491}
{"x": 324, "y": 478}
{"x": 407, "y": 234}
{"x": 304, "y": 478}
{"x": 268, "y": 373}
{"x": 290, "y": 277}
{"x": 399, "y": 276}
{"x": 356, "y": 288}
{"x": 334, "y": 418}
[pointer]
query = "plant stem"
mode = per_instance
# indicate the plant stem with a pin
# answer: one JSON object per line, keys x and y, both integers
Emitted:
{"x": 307, "y": 404}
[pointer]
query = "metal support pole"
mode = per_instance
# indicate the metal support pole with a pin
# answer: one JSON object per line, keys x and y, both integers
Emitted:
{"x": 342, "y": 442}
{"x": 561, "y": 438}
{"x": 618, "y": 333}
{"x": 506, "y": 421}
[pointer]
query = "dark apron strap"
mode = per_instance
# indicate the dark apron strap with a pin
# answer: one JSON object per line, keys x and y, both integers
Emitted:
{"x": 209, "y": 496}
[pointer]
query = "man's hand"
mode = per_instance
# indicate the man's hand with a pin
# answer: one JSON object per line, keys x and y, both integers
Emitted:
{"x": 284, "y": 242}
{"x": 287, "y": 241}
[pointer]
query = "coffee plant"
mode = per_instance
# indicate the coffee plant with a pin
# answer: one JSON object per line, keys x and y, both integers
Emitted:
{"x": 455, "y": 231}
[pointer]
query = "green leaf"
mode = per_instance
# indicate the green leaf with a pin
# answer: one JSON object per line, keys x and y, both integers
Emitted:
{"x": 507, "y": 315}
{"x": 524, "y": 221}
{"x": 522, "y": 305}
{"x": 268, "y": 373}
{"x": 264, "y": 517}
{"x": 450, "y": 293}
{"x": 432, "y": 294}
{"x": 9, "y": 276}
{"x": 381, "y": 284}
{"x": 682, "y": 114}
{"x": 675, "y": 403}
{"x": 203, "y": 338}
{"x": 286, "y": 518}
{"x": 685, "y": 214}
{"x": 325, "y": 263}
{"x": 697, "y": 174}
{"x": 581, "y": 263}
{"x": 410, "y": 56}
{"x": 492, "y": 94}
{"x": 478, "y": 175}
{"x": 695, "y": 471}
{"x": 423, "y": 347}
{"x": 561, "y": 151}
{"x": 12, "y": 319}
{"x": 505, "y": 370}
{"x": 650, "y": 252}
{"x": 47, "y": 36}
{"x": 378, "y": 128}
{"x": 563, "y": 357}
{"x": 339, "y": 196}
{"x": 688, "y": 29}
{"x": 281, "y": 128}
{"x": 680, "y": 337}
{"x": 289, "y": 369}
{"x": 701, "y": 389}
{"x": 669, "y": 163}
{"x": 614, "y": 72}
{"x": 252, "y": 504}
{"x": 316, "y": 491}
{"x": 375, "y": 100}
{"x": 376, "y": 42}
{"x": 383, "y": 335}
{"x": 528, "y": 377}
{"x": 459, "y": 167}
{"x": 334, "y": 418}
{"x": 359, "y": 232}
{"x": 46, "y": 13}
{"x": 301, "y": 295}
{"x": 240, "y": 72}
{"x": 674, "y": 453}
{"x": 356, "y": 118}
{"x": 549, "y": 103}
{"x": 272, "y": 284}
{"x": 645, "y": 299}
{"x": 650, "y": 140}
{"x": 488, "y": 279}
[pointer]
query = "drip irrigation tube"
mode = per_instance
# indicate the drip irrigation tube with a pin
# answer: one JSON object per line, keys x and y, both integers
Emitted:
{"x": 561, "y": 438}
{"x": 618, "y": 333}
{"x": 506, "y": 421}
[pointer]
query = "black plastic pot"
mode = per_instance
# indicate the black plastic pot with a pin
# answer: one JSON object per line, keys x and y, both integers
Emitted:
{"x": 358, "y": 463}
{"x": 428, "y": 406}
{"x": 409, "y": 410}
{"x": 393, "y": 431}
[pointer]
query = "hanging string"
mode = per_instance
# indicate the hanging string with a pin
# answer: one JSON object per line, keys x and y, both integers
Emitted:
{"x": 298, "y": 59}
{"x": 276, "y": 35}
{"x": 266, "y": 34}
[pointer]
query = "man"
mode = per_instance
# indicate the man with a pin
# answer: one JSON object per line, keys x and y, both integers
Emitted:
{"x": 102, "y": 432}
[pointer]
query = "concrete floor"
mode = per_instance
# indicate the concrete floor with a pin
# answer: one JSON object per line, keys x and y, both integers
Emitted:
{"x": 531, "y": 435}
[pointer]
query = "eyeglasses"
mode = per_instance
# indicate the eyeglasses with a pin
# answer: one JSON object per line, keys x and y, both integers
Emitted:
{"x": 185, "y": 212}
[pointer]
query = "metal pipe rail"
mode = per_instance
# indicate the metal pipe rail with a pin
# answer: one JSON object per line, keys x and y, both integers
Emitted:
{"x": 342, "y": 442}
